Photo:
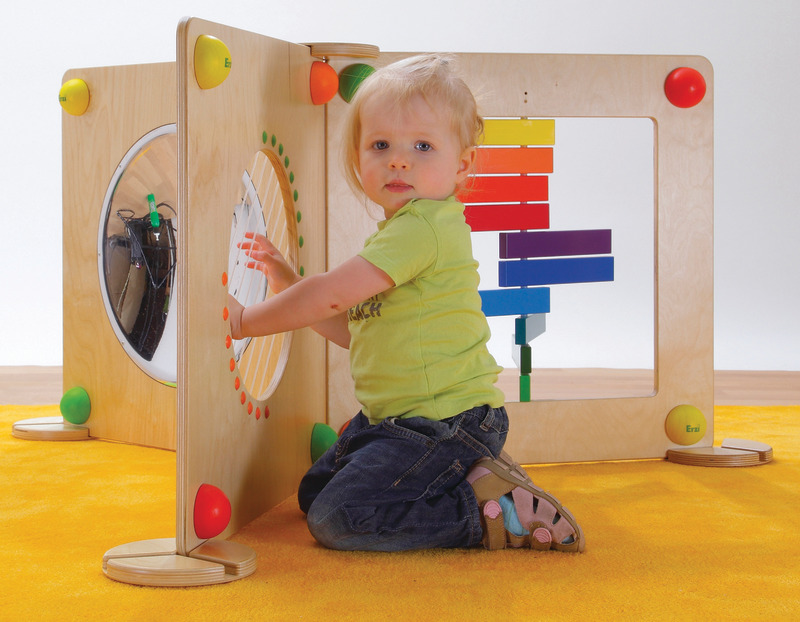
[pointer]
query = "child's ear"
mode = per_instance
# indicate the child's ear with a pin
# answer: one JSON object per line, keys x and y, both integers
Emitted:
{"x": 465, "y": 163}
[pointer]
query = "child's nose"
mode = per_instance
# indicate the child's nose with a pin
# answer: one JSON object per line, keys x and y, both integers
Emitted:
{"x": 398, "y": 161}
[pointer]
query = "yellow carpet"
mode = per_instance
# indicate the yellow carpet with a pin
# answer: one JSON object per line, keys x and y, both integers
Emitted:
{"x": 665, "y": 542}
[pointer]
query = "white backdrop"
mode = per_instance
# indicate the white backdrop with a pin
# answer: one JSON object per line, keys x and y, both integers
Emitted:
{"x": 753, "y": 45}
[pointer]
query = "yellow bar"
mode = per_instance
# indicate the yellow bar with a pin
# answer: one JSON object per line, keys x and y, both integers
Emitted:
{"x": 519, "y": 132}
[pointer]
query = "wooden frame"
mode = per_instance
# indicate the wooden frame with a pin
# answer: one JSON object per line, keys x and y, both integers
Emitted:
{"x": 548, "y": 86}
{"x": 241, "y": 446}
{"x": 121, "y": 112}
{"x": 220, "y": 131}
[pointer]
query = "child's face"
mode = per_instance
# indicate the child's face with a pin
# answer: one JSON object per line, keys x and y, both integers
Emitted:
{"x": 408, "y": 152}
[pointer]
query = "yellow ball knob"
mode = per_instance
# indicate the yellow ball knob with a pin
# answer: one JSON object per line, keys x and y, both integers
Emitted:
{"x": 74, "y": 96}
{"x": 685, "y": 425}
{"x": 212, "y": 61}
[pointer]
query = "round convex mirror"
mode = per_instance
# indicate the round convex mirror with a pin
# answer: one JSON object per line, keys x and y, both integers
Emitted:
{"x": 137, "y": 245}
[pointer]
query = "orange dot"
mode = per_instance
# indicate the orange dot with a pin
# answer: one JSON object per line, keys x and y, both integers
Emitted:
{"x": 266, "y": 412}
{"x": 243, "y": 397}
{"x": 233, "y": 364}
{"x": 237, "y": 383}
{"x": 324, "y": 83}
{"x": 249, "y": 408}
{"x": 258, "y": 413}
{"x": 225, "y": 314}
{"x": 228, "y": 342}
{"x": 224, "y": 278}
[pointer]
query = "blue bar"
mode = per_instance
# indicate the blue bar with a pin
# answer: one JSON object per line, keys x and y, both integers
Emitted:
{"x": 555, "y": 271}
{"x": 498, "y": 302}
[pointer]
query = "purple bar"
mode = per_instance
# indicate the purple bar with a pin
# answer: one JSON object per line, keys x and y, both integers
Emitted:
{"x": 554, "y": 243}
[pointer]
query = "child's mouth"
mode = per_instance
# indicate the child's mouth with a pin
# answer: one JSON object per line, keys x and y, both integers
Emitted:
{"x": 398, "y": 186}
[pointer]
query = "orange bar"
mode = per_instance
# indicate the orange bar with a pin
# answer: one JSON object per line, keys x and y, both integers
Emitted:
{"x": 514, "y": 160}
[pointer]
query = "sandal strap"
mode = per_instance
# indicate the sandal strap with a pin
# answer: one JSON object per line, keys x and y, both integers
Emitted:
{"x": 494, "y": 533}
{"x": 545, "y": 515}
{"x": 508, "y": 477}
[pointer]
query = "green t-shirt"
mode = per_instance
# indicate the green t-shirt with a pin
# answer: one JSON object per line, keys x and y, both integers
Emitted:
{"x": 419, "y": 349}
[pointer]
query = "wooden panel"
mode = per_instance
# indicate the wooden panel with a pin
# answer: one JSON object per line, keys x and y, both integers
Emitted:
{"x": 254, "y": 450}
{"x": 127, "y": 405}
{"x": 606, "y": 86}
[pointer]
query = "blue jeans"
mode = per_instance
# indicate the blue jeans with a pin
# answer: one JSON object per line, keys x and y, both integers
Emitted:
{"x": 400, "y": 485}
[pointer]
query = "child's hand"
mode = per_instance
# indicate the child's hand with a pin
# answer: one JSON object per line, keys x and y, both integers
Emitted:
{"x": 235, "y": 310}
{"x": 268, "y": 259}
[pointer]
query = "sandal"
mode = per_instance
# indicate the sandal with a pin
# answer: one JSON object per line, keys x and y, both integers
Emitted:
{"x": 549, "y": 524}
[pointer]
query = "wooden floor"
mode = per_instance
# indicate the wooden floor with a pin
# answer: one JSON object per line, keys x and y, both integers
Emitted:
{"x": 42, "y": 385}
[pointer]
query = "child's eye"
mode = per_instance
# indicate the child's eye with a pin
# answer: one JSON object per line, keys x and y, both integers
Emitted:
{"x": 423, "y": 146}
{"x": 380, "y": 145}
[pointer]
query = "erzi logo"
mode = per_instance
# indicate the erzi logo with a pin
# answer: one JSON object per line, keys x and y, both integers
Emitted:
{"x": 690, "y": 428}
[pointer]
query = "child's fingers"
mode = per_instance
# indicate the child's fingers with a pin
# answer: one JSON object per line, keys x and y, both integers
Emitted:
{"x": 261, "y": 239}
{"x": 260, "y": 242}
{"x": 261, "y": 256}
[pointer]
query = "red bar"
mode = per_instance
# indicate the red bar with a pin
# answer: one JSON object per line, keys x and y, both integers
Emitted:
{"x": 515, "y": 217}
{"x": 505, "y": 189}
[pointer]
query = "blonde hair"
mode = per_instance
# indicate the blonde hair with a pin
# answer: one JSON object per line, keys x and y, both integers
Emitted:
{"x": 432, "y": 76}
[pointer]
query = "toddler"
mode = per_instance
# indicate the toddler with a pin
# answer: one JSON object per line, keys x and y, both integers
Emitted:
{"x": 421, "y": 466}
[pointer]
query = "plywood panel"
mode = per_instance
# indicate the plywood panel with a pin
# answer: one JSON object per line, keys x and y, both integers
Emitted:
{"x": 554, "y": 86}
{"x": 127, "y": 404}
{"x": 256, "y": 461}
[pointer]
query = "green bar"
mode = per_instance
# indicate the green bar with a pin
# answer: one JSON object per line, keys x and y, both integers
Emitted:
{"x": 524, "y": 388}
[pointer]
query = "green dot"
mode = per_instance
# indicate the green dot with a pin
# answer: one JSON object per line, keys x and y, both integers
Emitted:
{"x": 274, "y": 140}
{"x": 299, "y": 217}
{"x": 264, "y": 137}
{"x": 300, "y": 242}
{"x": 286, "y": 161}
{"x": 351, "y": 77}
{"x": 76, "y": 406}
{"x": 296, "y": 195}
{"x": 302, "y": 271}
{"x": 291, "y": 177}
{"x": 323, "y": 437}
{"x": 280, "y": 149}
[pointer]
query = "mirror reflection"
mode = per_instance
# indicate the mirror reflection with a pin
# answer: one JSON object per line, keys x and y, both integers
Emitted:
{"x": 137, "y": 254}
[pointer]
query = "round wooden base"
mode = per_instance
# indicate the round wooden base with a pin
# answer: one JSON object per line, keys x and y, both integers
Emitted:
{"x": 49, "y": 429}
{"x": 734, "y": 452}
{"x": 157, "y": 563}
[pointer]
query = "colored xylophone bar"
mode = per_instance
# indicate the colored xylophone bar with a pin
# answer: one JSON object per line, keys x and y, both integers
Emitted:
{"x": 556, "y": 271}
{"x": 509, "y": 194}
{"x": 524, "y": 244}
